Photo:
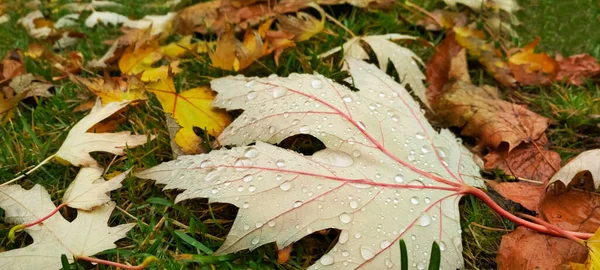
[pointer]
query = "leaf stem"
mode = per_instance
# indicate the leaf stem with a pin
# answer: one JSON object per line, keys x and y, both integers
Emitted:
{"x": 144, "y": 264}
{"x": 30, "y": 171}
{"x": 519, "y": 221}
{"x": 554, "y": 228}
{"x": 14, "y": 229}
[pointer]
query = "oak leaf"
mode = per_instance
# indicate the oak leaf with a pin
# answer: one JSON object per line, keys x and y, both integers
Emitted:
{"x": 367, "y": 182}
{"x": 404, "y": 60}
{"x": 586, "y": 162}
{"x": 190, "y": 109}
{"x": 79, "y": 143}
{"x": 89, "y": 189}
{"x": 482, "y": 114}
{"x": 87, "y": 235}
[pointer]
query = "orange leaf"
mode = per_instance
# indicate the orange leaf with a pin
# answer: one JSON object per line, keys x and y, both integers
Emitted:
{"x": 530, "y": 68}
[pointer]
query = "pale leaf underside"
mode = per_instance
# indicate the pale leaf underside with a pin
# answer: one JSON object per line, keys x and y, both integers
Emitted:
{"x": 87, "y": 235}
{"x": 386, "y": 174}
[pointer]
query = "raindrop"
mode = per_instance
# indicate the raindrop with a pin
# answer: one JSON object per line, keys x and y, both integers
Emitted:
{"x": 347, "y": 98}
{"x": 343, "y": 237}
{"x": 419, "y": 135}
{"x": 388, "y": 263}
{"x": 241, "y": 163}
{"x": 326, "y": 259}
{"x": 399, "y": 178}
{"x": 366, "y": 252}
{"x": 424, "y": 149}
{"x": 251, "y": 152}
{"x": 272, "y": 129}
{"x": 295, "y": 122}
{"x": 424, "y": 220}
{"x": 333, "y": 157}
{"x": 345, "y": 218}
{"x": 240, "y": 188}
{"x": 316, "y": 83}
{"x": 215, "y": 191}
{"x": 442, "y": 245}
{"x": 255, "y": 240}
{"x": 279, "y": 92}
{"x": 361, "y": 125}
{"x": 356, "y": 153}
{"x": 285, "y": 186}
{"x": 353, "y": 204}
{"x": 427, "y": 200}
{"x": 416, "y": 184}
{"x": 247, "y": 178}
{"x": 385, "y": 244}
{"x": 246, "y": 227}
{"x": 246, "y": 205}
{"x": 251, "y": 95}
{"x": 271, "y": 223}
{"x": 357, "y": 235}
{"x": 297, "y": 204}
{"x": 280, "y": 163}
{"x": 204, "y": 164}
{"x": 304, "y": 129}
{"x": 258, "y": 225}
{"x": 420, "y": 266}
{"x": 251, "y": 83}
{"x": 414, "y": 200}
{"x": 345, "y": 253}
{"x": 251, "y": 188}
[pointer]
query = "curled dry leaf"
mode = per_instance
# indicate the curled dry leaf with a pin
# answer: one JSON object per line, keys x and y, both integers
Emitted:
{"x": 531, "y": 68}
{"x": 304, "y": 25}
{"x": 90, "y": 190}
{"x": 584, "y": 162}
{"x": 79, "y": 143}
{"x": 366, "y": 183}
{"x": 440, "y": 68}
{"x": 404, "y": 60}
{"x": 482, "y": 114}
{"x": 190, "y": 109}
{"x": 158, "y": 23}
{"x": 87, "y": 235}
{"x": 576, "y": 68}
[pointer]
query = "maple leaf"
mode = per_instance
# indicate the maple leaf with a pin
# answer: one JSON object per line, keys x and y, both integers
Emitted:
{"x": 593, "y": 260}
{"x": 87, "y": 235}
{"x": 576, "y": 68}
{"x": 159, "y": 24}
{"x": 304, "y": 25}
{"x": 110, "y": 89}
{"x": 404, "y": 60}
{"x": 385, "y": 175}
{"x": 79, "y": 143}
{"x": 190, "y": 109}
{"x": 584, "y": 162}
{"x": 482, "y": 114}
{"x": 89, "y": 189}
{"x": 532, "y": 68}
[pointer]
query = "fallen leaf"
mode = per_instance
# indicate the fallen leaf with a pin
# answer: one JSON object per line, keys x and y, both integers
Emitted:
{"x": 482, "y": 114}
{"x": 438, "y": 69}
{"x": 223, "y": 56}
{"x": 36, "y": 25}
{"x": 7, "y": 104}
{"x": 67, "y": 20}
{"x": 139, "y": 57}
{"x": 108, "y": 57}
{"x": 374, "y": 204}
{"x": 593, "y": 260}
{"x": 12, "y": 66}
{"x": 576, "y": 68}
{"x": 526, "y": 194}
{"x": 160, "y": 24}
{"x": 190, "y": 109}
{"x": 113, "y": 89}
{"x": 90, "y": 190}
{"x": 448, "y": 20}
{"x": 178, "y": 49}
{"x": 79, "y": 143}
{"x": 95, "y": 4}
{"x": 526, "y": 249}
{"x": 532, "y": 161}
{"x": 508, "y": 6}
{"x": 586, "y": 162}
{"x": 531, "y": 68}
{"x": 87, "y": 235}
{"x": 303, "y": 26}
{"x": 404, "y": 60}
{"x": 30, "y": 86}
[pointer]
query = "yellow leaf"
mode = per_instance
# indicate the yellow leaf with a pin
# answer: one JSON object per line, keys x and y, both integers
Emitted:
{"x": 593, "y": 260}
{"x": 223, "y": 56}
{"x": 190, "y": 109}
{"x": 113, "y": 89}
{"x": 139, "y": 57}
{"x": 155, "y": 74}
{"x": 179, "y": 48}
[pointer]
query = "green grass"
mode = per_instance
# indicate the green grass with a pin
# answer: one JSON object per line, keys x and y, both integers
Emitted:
{"x": 167, "y": 230}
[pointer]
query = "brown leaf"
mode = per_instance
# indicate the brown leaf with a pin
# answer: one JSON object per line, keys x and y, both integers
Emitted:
{"x": 438, "y": 67}
{"x": 447, "y": 18}
{"x": 531, "y": 68}
{"x": 576, "y": 68}
{"x": 12, "y": 66}
{"x": 573, "y": 210}
{"x": 526, "y": 160}
{"x": 526, "y": 194}
{"x": 482, "y": 114}
{"x": 526, "y": 249}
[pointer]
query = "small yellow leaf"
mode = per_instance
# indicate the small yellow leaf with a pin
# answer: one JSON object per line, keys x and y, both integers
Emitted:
{"x": 190, "y": 109}
{"x": 140, "y": 57}
{"x": 179, "y": 48}
{"x": 223, "y": 56}
{"x": 162, "y": 72}
{"x": 113, "y": 89}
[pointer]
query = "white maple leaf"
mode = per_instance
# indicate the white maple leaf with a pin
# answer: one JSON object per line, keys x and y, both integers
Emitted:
{"x": 89, "y": 189}
{"x": 79, "y": 143}
{"x": 586, "y": 161}
{"x": 159, "y": 23}
{"x": 385, "y": 175}
{"x": 28, "y": 22}
{"x": 405, "y": 61}
{"x": 87, "y": 235}
{"x": 509, "y": 6}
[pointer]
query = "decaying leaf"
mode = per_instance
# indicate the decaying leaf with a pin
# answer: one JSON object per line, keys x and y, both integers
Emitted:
{"x": 367, "y": 182}
{"x": 532, "y": 161}
{"x": 593, "y": 260}
{"x": 111, "y": 89}
{"x": 79, "y": 143}
{"x": 304, "y": 25}
{"x": 482, "y": 114}
{"x": 443, "y": 66}
{"x": 576, "y": 68}
{"x": 190, "y": 109}
{"x": 526, "y": 194}
{"x": 404, "y": 60}
{"x": 584, "y": 162}
{"x": 531, "y": 68}
{"x": 87, "y": 235}
{"x": 90, "y": 190}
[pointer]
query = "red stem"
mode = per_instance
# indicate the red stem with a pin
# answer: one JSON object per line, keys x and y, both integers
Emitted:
{"x": 519, "y": 221}
{"x": 46, "y": 217}
{"x": 145, "y": 263}
{"x": 554, "y": 227}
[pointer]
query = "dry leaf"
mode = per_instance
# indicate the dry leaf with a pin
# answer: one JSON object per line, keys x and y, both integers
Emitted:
{"x": 438, "y": 69}
{"x": 12, "y": 66}
{"x": 95, "y": 4}
{"x": 526, "y": 160}
{"x": 304, "y": 25}
{"x": 526, "y": 194}
{"x": 159, "y": 24}
{"x": 404, "y": 60}
{"x": 190, "y": 109}
{"x": 111, "y": 89}
{"x": 365, "y": 183}
{"x": 482, "y": 114}
{"x": 30, "y": 86}
{"x": 593, "y": 260}
{"x": 87, "y": 235}
{"x": 508, "y": 6}
{"x": 36, "y": 25}
{"x": 109, "y": 56}
{"x": 576, "y": 68}
{"x": 530, "y": 68}
{"x": 584, "y": 162}
{"x": 79, "y": 143}
{"x": 90, "y": 190}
